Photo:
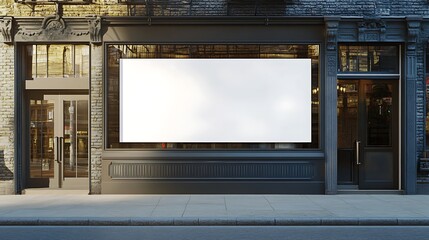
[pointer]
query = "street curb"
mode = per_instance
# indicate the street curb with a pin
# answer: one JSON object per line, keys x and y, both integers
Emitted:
{"x": 206, "y": 221}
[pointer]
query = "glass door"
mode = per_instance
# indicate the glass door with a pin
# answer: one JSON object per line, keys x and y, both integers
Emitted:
{"x": 42, "y": 152}
{"x": 368, "y": 133}
{"x": 59, "y": 141}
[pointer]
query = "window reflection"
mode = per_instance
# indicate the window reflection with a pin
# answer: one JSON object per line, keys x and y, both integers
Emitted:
{"x": 41, "y": 138}
{"x": 116, "y": 52}
{"x": 58, "y": 61}
{"x": 357, "y": 58}
{"x": 378, "y": 101}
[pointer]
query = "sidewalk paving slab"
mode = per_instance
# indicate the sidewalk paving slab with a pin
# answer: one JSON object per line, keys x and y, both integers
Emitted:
{"x": 214, "y": 210}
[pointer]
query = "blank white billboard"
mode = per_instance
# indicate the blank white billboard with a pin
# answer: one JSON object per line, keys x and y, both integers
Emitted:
{"x": 215, "y": 100}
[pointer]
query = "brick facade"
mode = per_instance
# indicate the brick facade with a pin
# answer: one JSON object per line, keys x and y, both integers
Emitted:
{"x": 96, "y": 95}
{"x": 180, "y": 8}
{"x": 229, "y": 7}
{"x": 7, "y": 119}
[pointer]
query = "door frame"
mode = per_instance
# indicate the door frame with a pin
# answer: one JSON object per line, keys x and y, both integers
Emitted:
{"x": 396, "y": 131}
{"x": 363, "y": 129}
{"x": 81, "y": 183}
{"x": 59, "y": 180}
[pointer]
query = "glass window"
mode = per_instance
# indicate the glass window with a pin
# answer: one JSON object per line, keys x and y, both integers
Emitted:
{"x": 81, "y": 64}
{"x": 359, "y": 58}
{"x": 41, "y": 138}
{"x": 40, "y": 58}
{"x": 116, "y": 52}
{"x": 58, "y": 61}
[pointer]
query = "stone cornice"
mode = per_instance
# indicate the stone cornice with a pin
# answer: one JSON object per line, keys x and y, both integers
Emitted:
{"x": 55, "y": 28}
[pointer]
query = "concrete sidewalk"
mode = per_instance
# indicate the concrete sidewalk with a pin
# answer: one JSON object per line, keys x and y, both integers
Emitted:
{"x": 211, "y": 210}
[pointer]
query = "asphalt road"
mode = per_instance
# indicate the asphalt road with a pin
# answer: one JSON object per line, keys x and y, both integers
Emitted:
{"x": 214, "y": 232}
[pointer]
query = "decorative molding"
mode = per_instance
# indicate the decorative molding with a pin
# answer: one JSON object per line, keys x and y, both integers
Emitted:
{"x": 53, "y": 25}
{"x": 6, "y": 29}
{"x": 52, "y": 28}
{"x": 331, "y": 33}
{"x": 94, "y": 26}
{"x": 180, "y": 170}
{"x": 372, "y": 30}
{"x": 413, "y": 26}
{"x": 331, "y": 63}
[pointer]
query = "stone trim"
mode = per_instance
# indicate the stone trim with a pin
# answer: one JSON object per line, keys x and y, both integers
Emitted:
{"x": 52, "y": 28}
{"x": 372, "y": 30}
{"x": 6, "y": 29}
{"x": 94, "y": 25}
{"x": 411, "y": 78}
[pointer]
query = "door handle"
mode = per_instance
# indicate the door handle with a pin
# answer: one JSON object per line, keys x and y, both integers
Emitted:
{"x": 357, "y": 152}
{"x": 59, "y": 144}
{"x": 57, "y": 149}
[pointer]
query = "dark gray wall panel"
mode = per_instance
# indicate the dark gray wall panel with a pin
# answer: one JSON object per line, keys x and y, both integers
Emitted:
{"x": 222, "y": 32}
{"x": 199, "y": 176}
{"x": 214, "y": 170}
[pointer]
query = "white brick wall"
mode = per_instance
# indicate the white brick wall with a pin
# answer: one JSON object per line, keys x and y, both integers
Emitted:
{"x": 96, "y": 95}
{"x": 6, "y": 119}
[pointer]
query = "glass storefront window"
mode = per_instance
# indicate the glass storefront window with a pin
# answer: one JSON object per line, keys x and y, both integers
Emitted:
{"x": 360, "y": 58}
{"x": 58, "y": 61}
{"x": 116, "y": 52}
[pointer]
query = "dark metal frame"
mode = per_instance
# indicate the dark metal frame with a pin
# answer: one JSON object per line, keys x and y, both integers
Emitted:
{"x": 220, "y": 157}
{"x": 21, "y": 113}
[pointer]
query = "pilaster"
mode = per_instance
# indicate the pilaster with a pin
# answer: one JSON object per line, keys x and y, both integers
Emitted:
{"x": 96, "y": 99}
{"x": 330, "y": 104}
{"x": 411, "y": 77}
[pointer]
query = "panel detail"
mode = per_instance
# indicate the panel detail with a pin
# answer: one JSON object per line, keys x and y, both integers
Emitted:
{"x": 187, "y": 170}
{"x": 372, "y": 30}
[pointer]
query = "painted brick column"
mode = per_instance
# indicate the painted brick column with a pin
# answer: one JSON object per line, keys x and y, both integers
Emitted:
{"x": 7, "y": 119}
{"x": 411, "y": 77}
{"x": 330, "y": 105}
{"x": 96, "y": 96}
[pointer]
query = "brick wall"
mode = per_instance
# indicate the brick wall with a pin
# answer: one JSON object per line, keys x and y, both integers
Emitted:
{"x": 234, "y": 7}
{"x": 421, "y": 105}
{"x": 96, "y": 88}
{"x": 6, "y": 119}
{"x": 421, "y": 108}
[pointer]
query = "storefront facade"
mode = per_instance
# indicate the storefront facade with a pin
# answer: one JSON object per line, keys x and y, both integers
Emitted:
{"x": 60, "y": 113}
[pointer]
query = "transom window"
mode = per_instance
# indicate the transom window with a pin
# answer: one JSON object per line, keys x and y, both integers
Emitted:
{"x": 58, "y": 61}
{"x": 368, "y": 59}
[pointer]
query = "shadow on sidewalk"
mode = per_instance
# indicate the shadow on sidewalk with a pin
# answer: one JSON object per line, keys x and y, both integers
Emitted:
{"x": 5, "y": 173}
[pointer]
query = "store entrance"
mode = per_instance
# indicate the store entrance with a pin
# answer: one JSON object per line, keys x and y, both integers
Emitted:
{"x": 59, "y": 143}
{"x": 368, "y": 134}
